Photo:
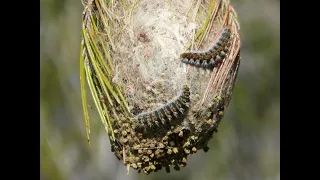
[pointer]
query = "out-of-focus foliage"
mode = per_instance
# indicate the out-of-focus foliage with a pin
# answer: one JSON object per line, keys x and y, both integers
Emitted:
{"x": 247, "y": 145}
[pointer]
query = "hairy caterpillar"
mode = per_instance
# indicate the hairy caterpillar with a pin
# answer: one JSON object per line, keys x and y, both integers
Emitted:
{"x": 165, "y": 115}
{"x": 214, "y": 56}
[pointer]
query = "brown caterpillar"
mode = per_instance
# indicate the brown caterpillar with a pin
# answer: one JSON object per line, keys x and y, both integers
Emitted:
{"x": 165, "y": 115}
{"x": 214, "y": 56}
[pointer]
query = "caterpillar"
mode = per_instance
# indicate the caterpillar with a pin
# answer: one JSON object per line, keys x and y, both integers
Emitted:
{"x": 214, "y": 56}
{"x": 165, "y": 115}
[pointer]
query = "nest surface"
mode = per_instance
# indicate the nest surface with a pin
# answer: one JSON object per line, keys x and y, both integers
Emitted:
{"x": 140, "y": 45}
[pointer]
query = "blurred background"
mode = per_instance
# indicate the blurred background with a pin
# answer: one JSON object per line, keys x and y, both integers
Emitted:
{"x": 247, "y": 145}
